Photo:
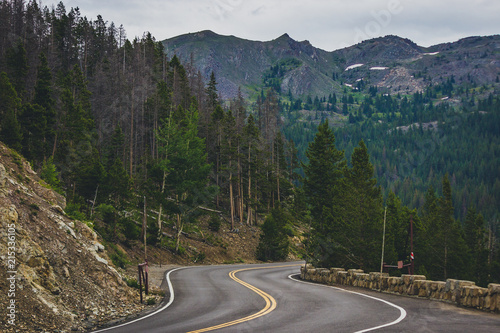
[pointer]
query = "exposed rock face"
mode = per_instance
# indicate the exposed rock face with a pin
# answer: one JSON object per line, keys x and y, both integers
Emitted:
{"x": 53, "y": 269}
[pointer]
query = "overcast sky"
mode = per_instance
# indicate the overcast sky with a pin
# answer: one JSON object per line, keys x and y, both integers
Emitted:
{"x": 327, "y": 24}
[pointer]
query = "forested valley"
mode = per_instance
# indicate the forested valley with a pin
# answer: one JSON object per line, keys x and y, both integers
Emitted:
{"x": 119, "y": 127}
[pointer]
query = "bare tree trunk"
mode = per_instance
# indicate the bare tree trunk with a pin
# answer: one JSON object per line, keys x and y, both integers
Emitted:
{"x": 231, "y": 196}
{"x": 240, "y": 188}
{"x": 255, "y": 200}
{"x": 217, "y": 178}
{"x": 217, "y": 162}
{"x": 131, "y": 143}
{"x": 271, "y": 198}
{"x": 490, "y": 244}
{"x": 161, "y": 206}
{"x": 231, "y": 199}
{"x": 54, "y": 146}
{"x": 249, "y": 206}
{"x": 278, "y": 175}
{"x": 179, "y": 233}
{"x": 445, "y": 257}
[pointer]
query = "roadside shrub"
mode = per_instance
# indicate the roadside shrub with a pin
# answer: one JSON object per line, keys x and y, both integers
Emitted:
{"x": 214, "y": 223}
{"x": 273, "y": 243}
{"x": 132, "y": 283}
{"x": 118, "y": 257}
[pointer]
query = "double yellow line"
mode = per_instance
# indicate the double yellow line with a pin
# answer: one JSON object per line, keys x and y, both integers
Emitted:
{"x": 270, "y": 301}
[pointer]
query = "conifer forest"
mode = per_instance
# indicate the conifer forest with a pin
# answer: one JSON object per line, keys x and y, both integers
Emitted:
{"x": 115, "y": 124}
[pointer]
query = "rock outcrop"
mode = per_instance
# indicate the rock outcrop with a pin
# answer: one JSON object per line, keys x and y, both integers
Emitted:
{"x": 55, "y": 275}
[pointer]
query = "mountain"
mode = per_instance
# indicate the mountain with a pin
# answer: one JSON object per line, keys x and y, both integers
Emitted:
{"x": 392, "y": 63}
{"x": 239, "y": 62}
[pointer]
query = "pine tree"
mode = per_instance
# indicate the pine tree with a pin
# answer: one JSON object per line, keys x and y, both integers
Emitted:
{"x": 323, "y": 190}
{"x": 75, "y": 151}
{"x": 43, "y": 98}
{"x": 447, "y": 221}
{"x": 364, "y": 209}
{"x": 17, "y": 62}
{"x": 10, "y": 130}
{"x": 293, "y": 162}
{"x": 393, "y": 229}
{"x": 50, "y": 174}
{"x": 280, "y": 170}
{"x": 274, "y": 244}
{"x": 447, "y": 253}
{"x": 117, "y": 184}
{"x": 322, "y": 173}
{"x": 251, "y": 152}
{"x": 184, "y": 162}
{"x": 214, "y": 147}
{"x": 475, "y": 238}
{"x": 228, "y": 152}
{"x": 212, "y": 95}
{"x": 430, "y": 246}
{"x": 34, "y": 126}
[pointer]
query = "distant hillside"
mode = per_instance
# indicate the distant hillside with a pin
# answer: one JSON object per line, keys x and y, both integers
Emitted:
{"x": 392, "y": 63}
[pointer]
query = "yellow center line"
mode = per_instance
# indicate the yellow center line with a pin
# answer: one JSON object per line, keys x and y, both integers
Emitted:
{"x": 270, "y": 301}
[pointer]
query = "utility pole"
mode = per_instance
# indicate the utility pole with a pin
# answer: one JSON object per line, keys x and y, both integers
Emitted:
{"x": 144, "y": 228}
{"x": 383, "y": 242}
{"x": 412, "y": 256}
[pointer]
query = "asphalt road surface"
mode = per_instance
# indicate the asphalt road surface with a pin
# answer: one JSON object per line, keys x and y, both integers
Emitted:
{"x": 267, "y": 298}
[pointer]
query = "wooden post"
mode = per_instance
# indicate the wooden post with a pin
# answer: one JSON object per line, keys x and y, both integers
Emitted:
{"x": 146, "y": 282}
{"x": 139, "y": 270}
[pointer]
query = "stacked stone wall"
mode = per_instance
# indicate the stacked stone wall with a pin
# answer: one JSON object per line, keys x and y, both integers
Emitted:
{"x": 460, "y": 292}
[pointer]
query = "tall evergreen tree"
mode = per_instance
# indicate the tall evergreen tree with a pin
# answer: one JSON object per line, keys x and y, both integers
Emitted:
{"x": 34, "y": 127}
{"x": 430, "y": 252}
{"x": 251, "y": 151}
{"x": 274, "y": 244}
{"x": 43, "y": 97}
{"x": 363, "y": 216}
{"x": 10, "y": 130}
{"x": 228, "y": 153}
{"x": 323, "y": 189}
{"x": 475, "y": 238}
{"x": 17, "y": 63}
{"x": 186, "y": 168}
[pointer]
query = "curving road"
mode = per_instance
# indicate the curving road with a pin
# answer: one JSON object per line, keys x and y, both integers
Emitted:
{"x": 266, "y": 298}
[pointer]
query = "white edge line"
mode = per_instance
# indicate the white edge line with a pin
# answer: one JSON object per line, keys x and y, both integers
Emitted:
{"x": 171, "y": 300}
{"x": 402, "y": 311}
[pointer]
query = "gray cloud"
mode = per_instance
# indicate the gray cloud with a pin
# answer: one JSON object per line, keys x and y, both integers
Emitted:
{"x": 328, "y": 24}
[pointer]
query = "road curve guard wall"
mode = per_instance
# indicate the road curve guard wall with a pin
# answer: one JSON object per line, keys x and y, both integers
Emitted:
{"x": 464, "y": 293}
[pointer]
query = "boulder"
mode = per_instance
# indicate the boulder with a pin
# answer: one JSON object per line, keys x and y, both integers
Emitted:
{"x": 494, "y": 288}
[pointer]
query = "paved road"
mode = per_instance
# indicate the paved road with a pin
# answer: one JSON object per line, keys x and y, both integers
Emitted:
{"x": 264, "y": 298}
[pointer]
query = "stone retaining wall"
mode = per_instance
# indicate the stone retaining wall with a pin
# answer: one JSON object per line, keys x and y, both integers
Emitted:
{"x": 464, "y": 293}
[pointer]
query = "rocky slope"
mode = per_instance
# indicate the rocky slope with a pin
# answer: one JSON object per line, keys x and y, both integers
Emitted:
{"x": 391, "y": 63}
{"x": 54, "y": 275}
{"x": 239, "y": 62}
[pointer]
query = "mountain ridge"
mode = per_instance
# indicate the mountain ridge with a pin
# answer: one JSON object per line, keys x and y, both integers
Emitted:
{"x": 389, "y": 62}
